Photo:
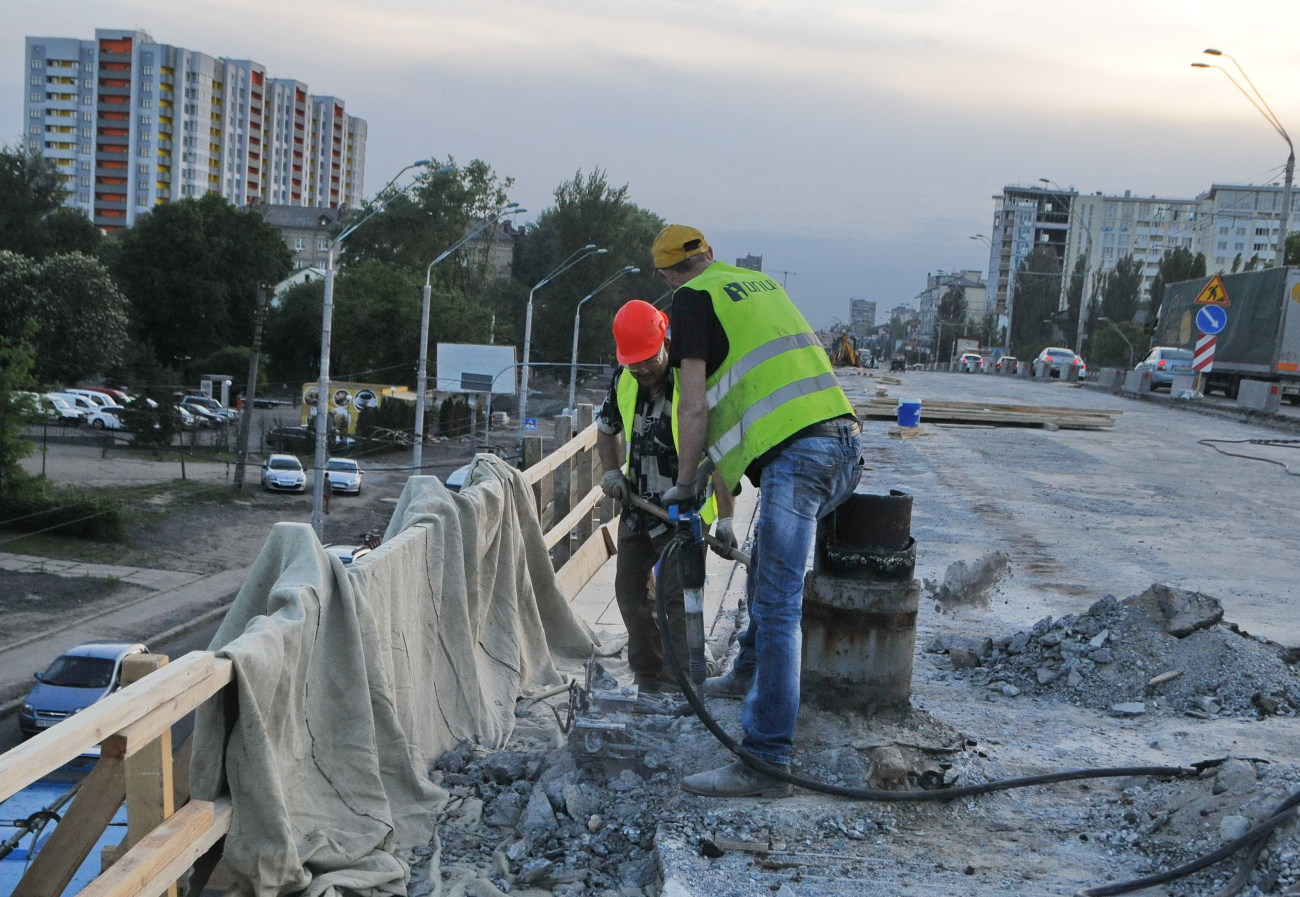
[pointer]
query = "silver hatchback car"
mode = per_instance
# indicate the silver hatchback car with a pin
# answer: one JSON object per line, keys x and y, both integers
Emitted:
{"x": 1163, "y": 362}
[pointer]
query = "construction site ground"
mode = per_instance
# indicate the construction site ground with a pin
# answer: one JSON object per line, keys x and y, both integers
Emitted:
{"x": 1023, "y": 666}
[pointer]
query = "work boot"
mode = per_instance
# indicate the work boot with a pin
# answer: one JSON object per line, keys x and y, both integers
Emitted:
{"x": 737, "y": 780}
{"x": 729, "y": 685}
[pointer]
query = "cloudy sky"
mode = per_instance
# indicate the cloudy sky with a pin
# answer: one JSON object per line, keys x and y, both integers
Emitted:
{"x": 854, "y": 144}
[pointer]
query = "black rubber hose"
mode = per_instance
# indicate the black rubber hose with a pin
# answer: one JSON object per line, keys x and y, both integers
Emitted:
{"x": 874, "y": 794}
{"x": 1284, "y": 812}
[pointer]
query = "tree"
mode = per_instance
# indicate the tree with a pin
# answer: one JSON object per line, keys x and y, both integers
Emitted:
{"x": 79, "y": 314}
{"x": 31, "y": 189}
{"x": 1121, "y": 290}
{"x": 291, "y": 338}
{"x": 1292, "y": 254}
{"x": 950, "y": 319}
{"x": 1035, "y": 299}
{"x": 1176, "y": 265}
{"x": 191, "y": 270}
{"x": 17, "y": 359}
{"x": 587, "y": 210}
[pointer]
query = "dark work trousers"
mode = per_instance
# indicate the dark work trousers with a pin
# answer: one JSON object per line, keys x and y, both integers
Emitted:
{"x": 634, "y": 591}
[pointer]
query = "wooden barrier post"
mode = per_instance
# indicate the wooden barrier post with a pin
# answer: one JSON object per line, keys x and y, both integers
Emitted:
{"x": 150, "y": 795}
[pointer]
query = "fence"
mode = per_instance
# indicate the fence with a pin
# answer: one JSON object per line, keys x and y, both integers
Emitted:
{"x": 133, "y": 726}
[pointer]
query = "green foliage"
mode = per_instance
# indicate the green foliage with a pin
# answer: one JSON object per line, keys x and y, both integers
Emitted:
{"x": 1176, "y": 265}
{"x": 80, "y": 313}
{"x": 1109, "y": 348}
{"x": 151, "y": 427}
{"x": 1292, "y": 254}
{"x": 1035, "y": 298}
{"x": 1121, "y": 290}
{"x": 291, "y": 337}
{"x": 31, "y": 191}
{"x": 587, "y": 210}
{"x": 34, "y": 506}
{"x": 17, "y": 360}
{"x": 191, "y": 271}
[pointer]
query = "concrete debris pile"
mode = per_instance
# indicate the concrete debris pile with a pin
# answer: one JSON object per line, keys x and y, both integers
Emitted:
{"x": 1166, "y": 649}
{"x": 1173, "y": 823}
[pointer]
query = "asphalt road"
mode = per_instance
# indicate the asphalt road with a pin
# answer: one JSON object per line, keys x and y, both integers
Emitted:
{"x": 1085, "y": 513}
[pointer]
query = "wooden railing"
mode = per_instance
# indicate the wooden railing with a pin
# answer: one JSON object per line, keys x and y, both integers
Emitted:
{"x": 133, "y": 726}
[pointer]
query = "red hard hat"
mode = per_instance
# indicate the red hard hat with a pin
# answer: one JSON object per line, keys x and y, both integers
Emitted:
{"x": 639, "y": 330}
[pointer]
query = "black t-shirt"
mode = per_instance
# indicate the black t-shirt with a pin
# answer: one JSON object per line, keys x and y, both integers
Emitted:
{"x": 696, "y": 331}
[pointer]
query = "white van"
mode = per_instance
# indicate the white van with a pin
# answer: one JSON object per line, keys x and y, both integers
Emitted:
{"x": 80, "y": 402}
{"x": 99, "y": 399}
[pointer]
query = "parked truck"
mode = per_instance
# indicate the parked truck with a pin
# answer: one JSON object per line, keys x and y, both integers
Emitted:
{"x": 1261, "y": 339}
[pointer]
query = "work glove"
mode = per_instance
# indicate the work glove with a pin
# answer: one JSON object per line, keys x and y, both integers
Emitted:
{"x": 615, "y": 485}
{"x": 725, "y": 534}
{"x": 682, "y": 496}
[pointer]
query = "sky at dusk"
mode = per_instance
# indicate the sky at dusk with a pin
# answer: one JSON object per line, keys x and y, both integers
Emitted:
{"x": 854, "y": 144}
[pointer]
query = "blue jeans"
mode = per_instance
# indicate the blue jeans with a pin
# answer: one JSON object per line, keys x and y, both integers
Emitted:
{"x": 804, "y": 483}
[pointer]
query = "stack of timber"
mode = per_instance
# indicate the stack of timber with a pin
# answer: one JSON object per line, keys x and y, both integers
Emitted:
{"x": 978, "y": 413}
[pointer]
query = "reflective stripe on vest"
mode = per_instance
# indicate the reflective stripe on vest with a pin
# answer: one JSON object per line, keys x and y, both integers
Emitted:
{"x": 628, "y": 389}
{"x": 776, "y": 378}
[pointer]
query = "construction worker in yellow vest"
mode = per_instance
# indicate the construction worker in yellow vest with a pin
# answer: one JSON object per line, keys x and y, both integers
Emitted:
{"x": 640, "y": 405}
{"x": 758, "y": 398}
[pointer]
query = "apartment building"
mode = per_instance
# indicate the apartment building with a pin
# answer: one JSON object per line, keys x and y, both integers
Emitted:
{"x": 131, "y": 123}
{"x": 862, "y": 317}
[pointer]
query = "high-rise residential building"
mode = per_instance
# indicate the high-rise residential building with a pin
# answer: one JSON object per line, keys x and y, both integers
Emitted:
{"x": 751, "y": 262}
{"x": 131, "y": 123}
{"x": 862, "y": 316}
{"x": 1229, "y": 224}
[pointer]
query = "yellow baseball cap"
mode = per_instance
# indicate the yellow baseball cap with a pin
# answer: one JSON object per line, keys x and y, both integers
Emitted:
{"x": 676, "y": 243}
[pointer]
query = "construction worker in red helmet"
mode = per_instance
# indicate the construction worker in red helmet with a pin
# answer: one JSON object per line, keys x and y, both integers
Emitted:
{"x": 639, "y": 405}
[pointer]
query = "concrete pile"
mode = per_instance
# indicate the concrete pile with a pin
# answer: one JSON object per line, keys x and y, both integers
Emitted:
{"x": 1163, "y": 650}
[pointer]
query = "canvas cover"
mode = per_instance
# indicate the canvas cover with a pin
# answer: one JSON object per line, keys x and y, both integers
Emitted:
{"x": 352, "y": 679}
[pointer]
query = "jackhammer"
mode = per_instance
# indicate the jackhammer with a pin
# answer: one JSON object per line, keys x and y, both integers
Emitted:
{"x": 690, "y": 567}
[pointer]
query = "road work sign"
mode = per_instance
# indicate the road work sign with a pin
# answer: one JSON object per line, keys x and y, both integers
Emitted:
{"x": 1203, "y": 357}
{"x": 1213, "y": 293}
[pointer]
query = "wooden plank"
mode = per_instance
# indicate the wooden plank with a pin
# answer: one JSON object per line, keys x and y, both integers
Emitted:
{"x": 140, "y": 733}
{"x": 1037, "y": 409}
{"x": 102, "y": 792}
{"x": 541, "y": 468}
{"x": 73, "y": 737}
{"x": 164, "y": 854}
{"x": 585, "y": 562}
{"x": 937, "y": 412}
{"x": 561, "y": 529}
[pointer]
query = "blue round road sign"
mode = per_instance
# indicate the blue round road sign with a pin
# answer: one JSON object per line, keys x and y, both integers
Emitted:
{"x": 1211, "y": 319}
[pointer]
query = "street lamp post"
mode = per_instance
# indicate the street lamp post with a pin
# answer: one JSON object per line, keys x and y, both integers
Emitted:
{"x": 322, "y": 388}
{"x": 421, "y": 376}
{"x": 1261, "y": 105}
{"x": 580, "y": 254}
{"x": 577, "y": 314}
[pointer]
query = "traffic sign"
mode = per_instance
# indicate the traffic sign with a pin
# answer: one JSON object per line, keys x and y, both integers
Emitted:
{"x": 530, "y": 423}
{"x": 1213, "y": 293}
{"x": 1203, "y": 357}
{"x": 1211, "y": 319}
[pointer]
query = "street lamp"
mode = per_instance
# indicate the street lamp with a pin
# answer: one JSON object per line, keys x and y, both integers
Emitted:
{"x": 577, "y": 314}
{"x": 421, "y": 376}
{"x": 1113, "y": 326}
{"x": 580, "y": 254}
{"x": 1261, "y": 105}
{"x": 327, "y": 315}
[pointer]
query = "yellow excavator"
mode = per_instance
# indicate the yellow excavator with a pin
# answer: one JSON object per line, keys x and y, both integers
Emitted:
{"x": 845, "y": 354}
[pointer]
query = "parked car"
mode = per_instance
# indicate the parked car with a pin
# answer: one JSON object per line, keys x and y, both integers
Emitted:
{"x": 115, "y": 396}
{"x": 110, "y": 417}
{"x": 970, "y": 363}
{"x": 207, "y": 417}
{"x": 344, "y": 475}
{"x": 189, "y": 420}
{"x": 226, "y": 415}
{"x": 283, "y": 473}
{"x": 74, "y": 681}
{"x": 1060, "y": 361}
{"x": 1007, "y": 364}
{"x": 1163, "y": 362}
{"x": 291, "y": 439}
{"x": 53, "y": 409}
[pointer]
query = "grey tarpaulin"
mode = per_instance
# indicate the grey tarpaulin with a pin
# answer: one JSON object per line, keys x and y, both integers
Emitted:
{"x": 350, "y": 680}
